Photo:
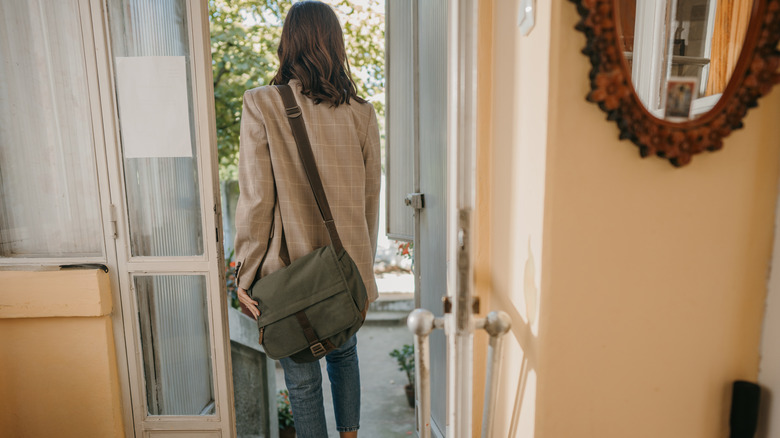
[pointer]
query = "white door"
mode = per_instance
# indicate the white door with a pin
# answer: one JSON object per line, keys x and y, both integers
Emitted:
{"x": 431, "y": 246}
{"x": 417, "y": 161}
{"x": 158, "y": 104}
{"x": 430, "y": 129}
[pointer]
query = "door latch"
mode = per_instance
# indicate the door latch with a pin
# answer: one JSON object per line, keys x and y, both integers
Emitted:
{"x": 113, "y": 220}
{"x": 415, "y": 200}
{"x": 446, "y": 304}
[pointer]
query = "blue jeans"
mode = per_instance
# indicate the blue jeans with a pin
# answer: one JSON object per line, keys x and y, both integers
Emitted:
{"x": 304, "y": 383}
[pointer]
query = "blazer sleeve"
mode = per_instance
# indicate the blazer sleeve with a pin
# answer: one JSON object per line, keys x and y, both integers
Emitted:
{"x": 372, "y": 161}
{"x": 255, "y": 207}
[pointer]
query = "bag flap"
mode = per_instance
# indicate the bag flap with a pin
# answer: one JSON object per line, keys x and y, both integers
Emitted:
{"x": 329, "y": 317}
{"x": 308, "y": 280}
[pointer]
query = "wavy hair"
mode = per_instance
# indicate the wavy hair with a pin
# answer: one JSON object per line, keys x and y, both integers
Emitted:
{"x": 312, "y": 50}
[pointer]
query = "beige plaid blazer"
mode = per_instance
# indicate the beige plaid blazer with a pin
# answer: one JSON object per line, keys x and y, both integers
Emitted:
{"x": 275, "y": 194}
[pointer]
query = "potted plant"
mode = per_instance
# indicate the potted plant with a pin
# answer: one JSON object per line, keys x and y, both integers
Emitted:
{"x": 286, "y": 424}
{"x": 405, "y": 359}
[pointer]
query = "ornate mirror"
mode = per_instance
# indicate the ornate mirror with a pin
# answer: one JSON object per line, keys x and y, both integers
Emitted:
{"x": 678, "y": 76}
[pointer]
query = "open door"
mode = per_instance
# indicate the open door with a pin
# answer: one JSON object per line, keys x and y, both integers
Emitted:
{"x": 157, "y": 99}
{"x": 431, "y": 61}
{"x": 417, "y": 161}
{"x": 431, "y": 255}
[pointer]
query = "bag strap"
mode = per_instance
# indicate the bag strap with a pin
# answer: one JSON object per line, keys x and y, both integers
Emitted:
{"x": 298, "y": 127}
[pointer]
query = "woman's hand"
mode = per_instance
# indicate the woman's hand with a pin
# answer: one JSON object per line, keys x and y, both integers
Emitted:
{"x": 247, "y": 301}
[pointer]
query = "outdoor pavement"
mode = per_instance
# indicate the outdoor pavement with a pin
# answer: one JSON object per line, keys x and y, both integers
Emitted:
{"x": 385, "y": 412}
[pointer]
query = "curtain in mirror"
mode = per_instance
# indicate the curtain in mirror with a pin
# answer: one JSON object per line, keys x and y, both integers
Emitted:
{"x": 731, "y": 22}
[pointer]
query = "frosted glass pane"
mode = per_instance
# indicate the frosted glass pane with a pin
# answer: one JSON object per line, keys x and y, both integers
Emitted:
{"x": 175, "y": 344}
{"x": 163, "y": 197}
{"x": 49, "y": 204}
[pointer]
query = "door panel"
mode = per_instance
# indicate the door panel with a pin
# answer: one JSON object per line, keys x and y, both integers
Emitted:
{"x": 443, "y": 74}
{"x": 169, "y": 257}
{"x": 431, "y": 253}
{"x": 163, "y": 202}
{"x": 400, "y": 123}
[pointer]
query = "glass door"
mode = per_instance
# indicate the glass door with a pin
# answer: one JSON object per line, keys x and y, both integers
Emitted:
{"x": 174, "y": 311}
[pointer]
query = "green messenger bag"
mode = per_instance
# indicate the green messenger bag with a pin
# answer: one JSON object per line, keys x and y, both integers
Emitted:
{"x": 315, "y": 304}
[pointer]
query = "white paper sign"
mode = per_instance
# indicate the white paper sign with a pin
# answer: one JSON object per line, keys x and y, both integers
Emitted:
{"x": 153, "y": 107}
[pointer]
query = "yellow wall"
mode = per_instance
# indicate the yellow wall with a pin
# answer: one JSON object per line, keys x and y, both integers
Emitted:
{"x": 519, "y": 139}
{"x": 58, "y": 373}
{"x": 636, "y": 289}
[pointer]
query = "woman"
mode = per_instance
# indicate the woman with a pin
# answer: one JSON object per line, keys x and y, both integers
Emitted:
{"x": 277, "y": 217}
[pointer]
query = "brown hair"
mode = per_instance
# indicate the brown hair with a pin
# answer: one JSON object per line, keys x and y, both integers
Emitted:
{"x": 312, "y": 50}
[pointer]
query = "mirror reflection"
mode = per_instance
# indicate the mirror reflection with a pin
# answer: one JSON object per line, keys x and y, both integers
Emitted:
{"x": 681, "y": 53}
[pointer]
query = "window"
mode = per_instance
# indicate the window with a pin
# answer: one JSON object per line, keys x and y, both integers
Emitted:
{"x": 163, "y": 202}
{"x": 49, "y": 202}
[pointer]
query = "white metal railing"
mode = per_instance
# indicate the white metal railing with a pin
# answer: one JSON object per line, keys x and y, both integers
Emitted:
{"x": 422, "y": 322}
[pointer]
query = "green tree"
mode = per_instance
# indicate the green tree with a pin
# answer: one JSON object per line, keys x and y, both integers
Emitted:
{"x": 244, "y": 38}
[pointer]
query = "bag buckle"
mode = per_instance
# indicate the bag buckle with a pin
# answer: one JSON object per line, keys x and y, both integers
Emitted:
{"x": 317, "y": 349}
{"x": 293, "y": 112}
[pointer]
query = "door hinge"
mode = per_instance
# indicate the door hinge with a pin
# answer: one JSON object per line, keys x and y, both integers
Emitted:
{"x": 217, "y": 219}
{"x": 113, "y": 219}
{"x": 415, "y": 200}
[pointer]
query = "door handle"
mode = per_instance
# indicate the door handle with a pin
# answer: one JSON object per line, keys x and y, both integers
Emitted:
{"x": 496, "y": 324}
{"x": 421, "y": 322}
{"x": 415, "y": 200}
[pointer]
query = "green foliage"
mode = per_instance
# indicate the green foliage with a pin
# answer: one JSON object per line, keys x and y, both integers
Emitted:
{"x": 284, "y": 410}
{"x": 230, "y": 279}
{"x": 244, "y": 38}
{"x": 405, "y": 359}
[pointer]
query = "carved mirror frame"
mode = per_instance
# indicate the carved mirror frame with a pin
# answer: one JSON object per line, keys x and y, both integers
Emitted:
{"x": 756, "y": 72}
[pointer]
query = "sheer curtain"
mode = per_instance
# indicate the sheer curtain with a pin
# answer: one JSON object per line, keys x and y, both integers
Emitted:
{"x": 49, "y": 204}
{"x": 162, "y": 193}
{"x": 174, "y": 334}
{"x": 732, "y": 18}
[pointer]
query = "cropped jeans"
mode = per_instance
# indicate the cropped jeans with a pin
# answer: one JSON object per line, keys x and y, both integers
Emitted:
{"x": 304, "y": 383}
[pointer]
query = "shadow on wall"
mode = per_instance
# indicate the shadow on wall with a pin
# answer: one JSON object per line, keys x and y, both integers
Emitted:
{"x": 524, "y": 351}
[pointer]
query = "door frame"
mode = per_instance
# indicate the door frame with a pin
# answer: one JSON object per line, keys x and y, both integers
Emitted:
{"x": 462, "y": 35}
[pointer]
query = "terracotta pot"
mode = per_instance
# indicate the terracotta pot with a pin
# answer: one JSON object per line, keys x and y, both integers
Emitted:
{"x": 287, "y": 432}
{"x": 409, "y": 395}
